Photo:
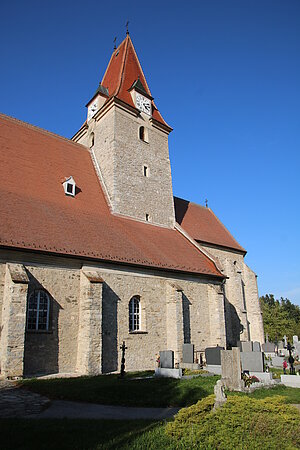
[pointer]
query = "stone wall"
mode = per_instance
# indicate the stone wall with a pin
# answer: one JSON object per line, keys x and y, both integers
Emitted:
{"x": 241, "y": 297}
{"x": 122, "y": 155}
{"x": 89, "y": 320}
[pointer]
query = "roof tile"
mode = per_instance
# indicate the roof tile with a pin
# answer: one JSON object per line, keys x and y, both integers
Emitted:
{"x": 36, "y": 214}
{"x": 202, "y": 225}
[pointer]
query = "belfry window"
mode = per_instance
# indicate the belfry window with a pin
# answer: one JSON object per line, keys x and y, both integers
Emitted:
{"x": 135, "y": 314}
{"x": 38, "y": 309}
{"x": 143, "y": 134}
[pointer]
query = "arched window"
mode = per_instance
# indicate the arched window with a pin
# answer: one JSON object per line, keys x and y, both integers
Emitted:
{"x": 134, "y": 314}
{"x": 38, "y": 311}
{"x": 142, "y": 133}
{"x": 91, "y": 140}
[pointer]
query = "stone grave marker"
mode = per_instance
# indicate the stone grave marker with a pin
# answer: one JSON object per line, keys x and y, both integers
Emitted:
{"x": 166, "y": 359}
{"x": 246, "y": 346}
{"x": 231, "y": 369}
{"x": 252, "y": 361}
{"x": 213, "y": 355}
{"x": 188, "y": 353}
{"x": 269, "y": 347}
{"x": 256, "y": 346}
{"x": 295, "y": 339}
{"x": 280, "y": 345}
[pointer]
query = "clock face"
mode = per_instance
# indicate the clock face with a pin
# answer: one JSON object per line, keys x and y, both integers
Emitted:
{"x": 143, "y": 104}
{"x": 93, "y": 107}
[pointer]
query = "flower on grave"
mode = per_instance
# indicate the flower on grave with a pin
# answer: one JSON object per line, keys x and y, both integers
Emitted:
{"x": 248, "y": 380}
{"x": 158, "y": 360}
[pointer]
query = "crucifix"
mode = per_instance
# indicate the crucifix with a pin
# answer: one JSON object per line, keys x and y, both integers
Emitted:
{"x": 115, "y": 43}
{"x": 123, "y": 348}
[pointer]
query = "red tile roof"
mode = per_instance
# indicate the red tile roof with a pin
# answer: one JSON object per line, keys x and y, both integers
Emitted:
{"x": 122, "y": 71}
{"x": 202, "y": 225}
{"x": 36, "y": 214}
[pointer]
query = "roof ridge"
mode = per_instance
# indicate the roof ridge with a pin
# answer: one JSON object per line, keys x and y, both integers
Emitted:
{"x": 227, "y": 230}
{"x": 121, "y": 79}
{"x": 190, "y": 202}
{"x": 41, "y": 130}
{"x": 140, "y": 67}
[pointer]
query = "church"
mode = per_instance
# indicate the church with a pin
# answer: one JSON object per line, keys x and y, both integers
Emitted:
{"x": 95, "y": 249}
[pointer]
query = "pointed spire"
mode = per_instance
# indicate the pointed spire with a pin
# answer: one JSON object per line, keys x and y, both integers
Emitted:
{"x": 123, "y": 71}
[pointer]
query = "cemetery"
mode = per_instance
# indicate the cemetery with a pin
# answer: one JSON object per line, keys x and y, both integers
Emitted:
{"x": 223, "y": 385}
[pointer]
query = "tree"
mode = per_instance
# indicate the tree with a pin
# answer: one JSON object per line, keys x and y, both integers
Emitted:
{"x": 280, "y": 317}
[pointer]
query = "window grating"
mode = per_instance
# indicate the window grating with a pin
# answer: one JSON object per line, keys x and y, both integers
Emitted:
{"x": 38, "y": 311}
{"x": 134, "y": 314}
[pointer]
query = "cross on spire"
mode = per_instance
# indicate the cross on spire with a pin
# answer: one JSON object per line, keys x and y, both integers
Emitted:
{"x": 206, "y": 203}
{"x": 115, "y": 42}
{"x": 127, "y": 23}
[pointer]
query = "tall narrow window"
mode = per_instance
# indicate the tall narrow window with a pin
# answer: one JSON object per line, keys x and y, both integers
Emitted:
{"x": 38, "y": 311}
{"x": 92, "y": 139}
{"x": 134, "y": 314}
{"x": 244, "y": 296}
{"x": 142, "y": 133}
{"x": 146, "y": 171}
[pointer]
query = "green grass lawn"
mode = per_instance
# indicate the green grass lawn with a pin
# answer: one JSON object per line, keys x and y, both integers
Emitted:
{"x": 17, "y": 434}
{"x": 291, "y": 395}
{"x": 248, "y": 421}
{"x": 111, "y": 390}
{"x": 243, "y": 423}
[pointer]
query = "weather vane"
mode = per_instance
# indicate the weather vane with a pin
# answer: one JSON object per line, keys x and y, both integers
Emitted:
{"x": 115, "y": 43}
{"x": 127, "y": 23}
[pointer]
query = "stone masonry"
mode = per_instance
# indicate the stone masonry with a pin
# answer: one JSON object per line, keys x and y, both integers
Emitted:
{"x": 241, "y": 296}
{"x": 89, "y": 316}
{"x": 13, "y": 320}
{"x": 121, "y": 156}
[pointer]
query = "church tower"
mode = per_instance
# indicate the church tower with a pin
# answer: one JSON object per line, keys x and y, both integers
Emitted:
{"x": 128, "y": 139}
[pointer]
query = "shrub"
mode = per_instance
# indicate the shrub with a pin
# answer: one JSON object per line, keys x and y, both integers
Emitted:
{"x": 242, "y": 423}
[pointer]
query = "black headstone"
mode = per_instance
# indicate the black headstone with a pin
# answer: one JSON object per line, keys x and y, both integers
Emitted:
{"x": 213, "y": 355}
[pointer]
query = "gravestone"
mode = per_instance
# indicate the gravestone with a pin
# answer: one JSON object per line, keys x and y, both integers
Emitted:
{"x": 256, "y": 346}
{"x": 277, "y": 361}
{"x": 246, "y": 346}
{"x": 295, "y": 340}
{"x": 280, "y": 345}
{"x": 269, "y": 347}
{"x": 231, "y": 369}
{"x": 213, "y": 355}
{"x": 188, "y": 353}
{"x": 220, "y": 396}
{"x": 166, "y": 359}
{"x": 285, "y": 341}
{"x": 252, "y": 361}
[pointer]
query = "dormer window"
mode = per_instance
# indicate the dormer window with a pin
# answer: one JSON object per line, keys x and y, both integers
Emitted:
{"x": 69, "y": 186}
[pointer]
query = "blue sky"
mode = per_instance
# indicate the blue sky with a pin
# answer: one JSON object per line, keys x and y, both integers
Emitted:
{"x": 225, "y": 74}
